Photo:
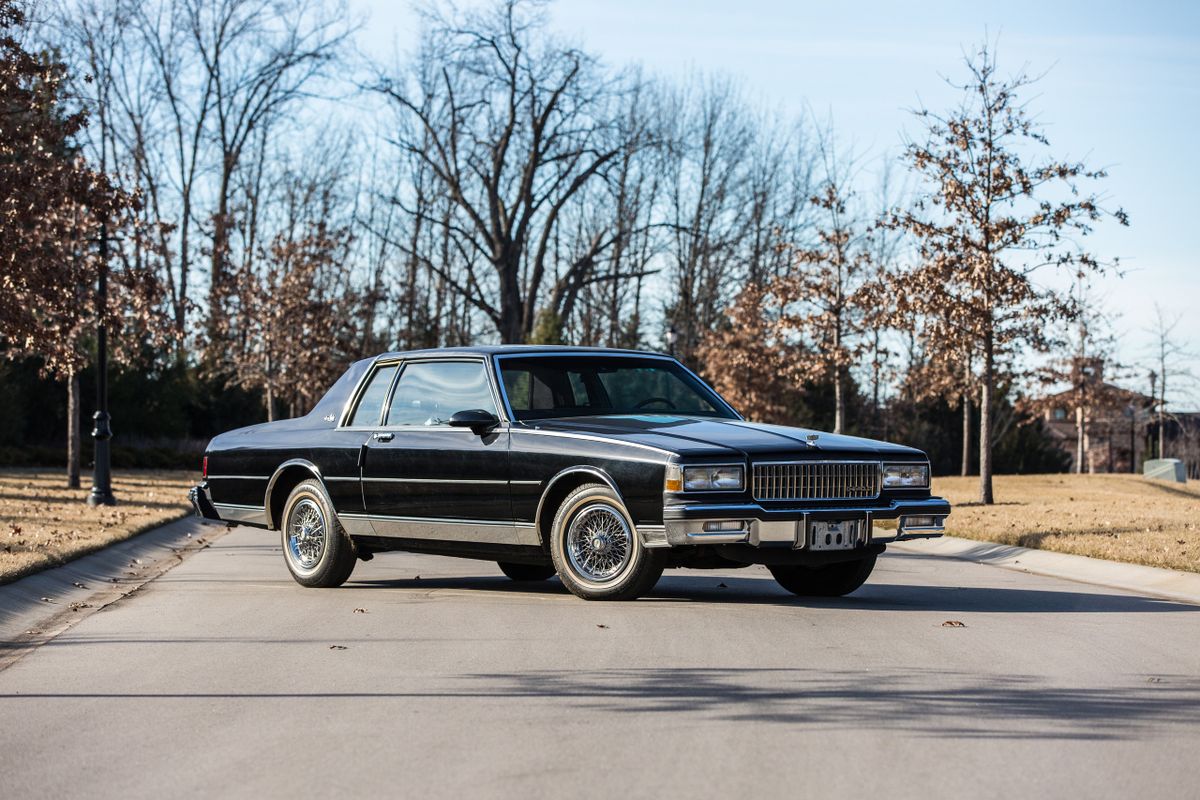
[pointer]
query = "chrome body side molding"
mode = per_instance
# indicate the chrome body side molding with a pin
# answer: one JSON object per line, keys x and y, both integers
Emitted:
{"x": 251, "y": 515}
{"x": 441, "y": 529}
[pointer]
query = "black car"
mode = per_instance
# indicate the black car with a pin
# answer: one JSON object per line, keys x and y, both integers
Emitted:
{"x": 603, "y": 466}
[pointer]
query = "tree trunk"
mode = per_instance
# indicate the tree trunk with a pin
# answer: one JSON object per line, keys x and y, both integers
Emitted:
{"x": 515, "y": 324}
{"x": 985, "y": 426}
{"x": 966, "y": 451}
{"x": 839, "y": 402}
{"x": 270, "y": 392}
{"x": 1162, "y": 417}
{"x": 74, "y": 439}
{"x": 1079, "y": 436}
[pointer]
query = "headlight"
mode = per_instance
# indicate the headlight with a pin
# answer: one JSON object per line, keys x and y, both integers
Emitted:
{"x": 905, "y": 476}
{"x": 715, "y": 478}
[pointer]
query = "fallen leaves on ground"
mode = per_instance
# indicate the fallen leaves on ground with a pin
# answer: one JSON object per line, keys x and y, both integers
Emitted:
{"x": 49, "y": 524}
{"x": 1117, "y": 517}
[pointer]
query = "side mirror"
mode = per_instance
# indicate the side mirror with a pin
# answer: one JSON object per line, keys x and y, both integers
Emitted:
{"x": 478, "y": 420}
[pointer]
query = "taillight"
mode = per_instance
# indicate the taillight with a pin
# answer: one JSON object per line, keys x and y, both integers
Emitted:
{"x": 204, "y": 468}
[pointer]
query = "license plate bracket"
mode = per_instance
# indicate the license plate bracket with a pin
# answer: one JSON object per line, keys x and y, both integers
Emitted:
{"x": 836, "y": 534}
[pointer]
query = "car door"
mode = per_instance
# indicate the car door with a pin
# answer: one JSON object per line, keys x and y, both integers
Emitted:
{"x": 423, "y": 479}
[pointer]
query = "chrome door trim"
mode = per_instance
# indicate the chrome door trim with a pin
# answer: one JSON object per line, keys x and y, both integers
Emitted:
{"x": 496, "y": 482}
{"x": 441, "y": 529}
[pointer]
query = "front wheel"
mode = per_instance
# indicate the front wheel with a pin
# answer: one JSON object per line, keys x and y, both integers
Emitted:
{"x": 596, "y": 550}
{"x": 316, "y": 548}
{"x": 832, "y": 580}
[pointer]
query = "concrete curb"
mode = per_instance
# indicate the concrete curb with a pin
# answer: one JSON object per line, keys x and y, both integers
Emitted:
{"x": 38, "y": 607}
{"x": 1183, "y": 587}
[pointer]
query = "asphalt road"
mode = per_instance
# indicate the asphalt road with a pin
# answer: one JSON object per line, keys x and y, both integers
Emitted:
{"x": 223, "y": 677}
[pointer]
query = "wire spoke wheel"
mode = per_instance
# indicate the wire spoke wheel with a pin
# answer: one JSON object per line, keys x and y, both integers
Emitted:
{"x": 307, "y": 534}
{"x": 599, "y": 543}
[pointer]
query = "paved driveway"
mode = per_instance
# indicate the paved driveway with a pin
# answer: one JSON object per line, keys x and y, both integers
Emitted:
{"x": 428, "y": 677}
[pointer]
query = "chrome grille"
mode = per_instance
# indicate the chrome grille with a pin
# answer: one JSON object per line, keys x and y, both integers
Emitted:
{"x": 816, "y": 480}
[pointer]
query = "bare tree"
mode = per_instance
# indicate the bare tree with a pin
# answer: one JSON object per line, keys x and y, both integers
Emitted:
{"x": 258, "y": 58}
{"x": 989, "y": 218}
{"x": 511, "y": 126}
{"x": 1169, "y": 358}
{"x": 709, "y": 136}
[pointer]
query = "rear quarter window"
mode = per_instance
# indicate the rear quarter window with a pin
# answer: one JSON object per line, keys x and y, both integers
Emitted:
{"x": 370, "y": 404}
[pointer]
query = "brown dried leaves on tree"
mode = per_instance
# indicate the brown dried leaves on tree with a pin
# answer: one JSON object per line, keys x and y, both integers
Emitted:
{"x": 294, "y": 320}
{"x": 992, "y": 214}
{"x": 53, "y": 205}
{"x": 748, "y": 363}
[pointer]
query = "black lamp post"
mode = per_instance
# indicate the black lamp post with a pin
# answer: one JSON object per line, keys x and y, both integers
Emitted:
{"x": 102, "y": 494}
{"x": 671, "y": 337}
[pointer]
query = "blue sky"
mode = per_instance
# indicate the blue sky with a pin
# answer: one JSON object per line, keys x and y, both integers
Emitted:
{"x": 1122, "y": 91}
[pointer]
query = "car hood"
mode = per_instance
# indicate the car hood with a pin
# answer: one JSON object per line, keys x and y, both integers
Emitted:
{"x": 706, "y": 436}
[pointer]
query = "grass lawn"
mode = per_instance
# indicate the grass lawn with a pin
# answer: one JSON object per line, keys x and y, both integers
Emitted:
{"x": 43, "y": 524}
{"x": 1118, "y": 517}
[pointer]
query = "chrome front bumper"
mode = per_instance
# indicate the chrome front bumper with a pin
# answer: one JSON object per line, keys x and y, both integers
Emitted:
{"x": 759, "y": 527}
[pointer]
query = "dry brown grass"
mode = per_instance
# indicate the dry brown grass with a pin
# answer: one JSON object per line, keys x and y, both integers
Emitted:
{"x": 1118, "y": 517}
{"x": 43, "y": 524}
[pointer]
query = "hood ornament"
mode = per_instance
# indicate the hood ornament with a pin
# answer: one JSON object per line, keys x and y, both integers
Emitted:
{"x": 811, "y": 439}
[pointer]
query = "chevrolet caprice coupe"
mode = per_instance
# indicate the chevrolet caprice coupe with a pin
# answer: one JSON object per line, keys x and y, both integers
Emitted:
{"x": 601, "y": 466}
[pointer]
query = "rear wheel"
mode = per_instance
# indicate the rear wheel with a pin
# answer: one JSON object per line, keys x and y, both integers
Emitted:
{"x": 526, "y": 572}
{"x": 316, "y": 549}
{"x": 596, "y": 550}
{"x": 832, "y": 580}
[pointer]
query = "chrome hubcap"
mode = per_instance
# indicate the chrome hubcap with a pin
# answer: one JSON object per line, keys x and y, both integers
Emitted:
{"x": 599, "y": 543}
{"x": 306, "y": 534}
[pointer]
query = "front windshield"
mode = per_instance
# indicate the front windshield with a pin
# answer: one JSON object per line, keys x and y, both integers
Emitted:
{"x": 575, "y": 386}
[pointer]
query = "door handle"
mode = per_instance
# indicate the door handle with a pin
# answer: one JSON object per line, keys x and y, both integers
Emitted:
{"x": 383, "y": 437}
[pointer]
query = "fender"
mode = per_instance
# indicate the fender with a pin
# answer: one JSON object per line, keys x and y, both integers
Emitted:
{"x": 595, "y": 472}
{"x": 291, "y": 462}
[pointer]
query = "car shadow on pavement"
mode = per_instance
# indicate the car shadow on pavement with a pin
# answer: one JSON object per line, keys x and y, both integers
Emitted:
{"x": 935, "y": 704}
{"x": 721, "y": 588}
{"x": 480, "y": 583}
{"x": 880, "y": 596}
{"x": 958, "y": 705}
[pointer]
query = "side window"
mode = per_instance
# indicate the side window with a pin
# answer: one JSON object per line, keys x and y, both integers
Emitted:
{"x": 430, "y": 392}
{"x": 370, "y": 405}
